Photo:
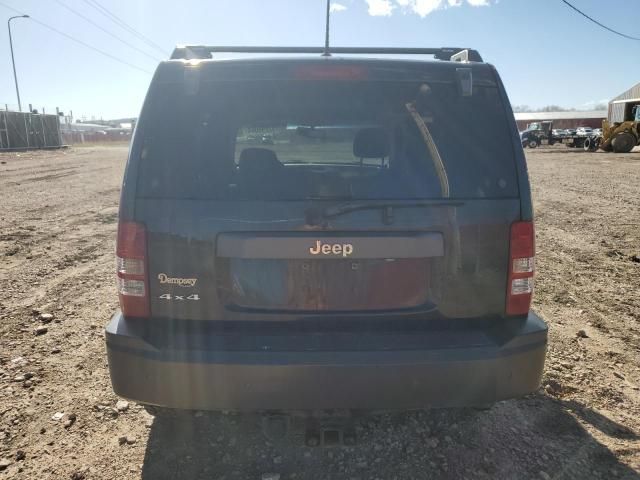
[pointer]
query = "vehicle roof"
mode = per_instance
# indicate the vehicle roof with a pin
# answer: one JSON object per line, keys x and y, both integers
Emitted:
{"x": 311, "y": 58}
{"x": 441, "y": 53}
{"x": 279, "y": 67}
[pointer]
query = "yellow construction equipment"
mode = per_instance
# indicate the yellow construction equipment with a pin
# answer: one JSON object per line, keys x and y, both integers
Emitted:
{"x": 618, "y": 137}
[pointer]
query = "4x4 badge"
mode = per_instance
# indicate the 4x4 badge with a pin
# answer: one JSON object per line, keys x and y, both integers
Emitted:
{"x": 182, "y": 282}
{"x": 344, "y": 249}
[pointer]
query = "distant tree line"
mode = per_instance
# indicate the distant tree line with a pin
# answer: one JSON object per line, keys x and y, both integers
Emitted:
{"x": 555, "y": 108}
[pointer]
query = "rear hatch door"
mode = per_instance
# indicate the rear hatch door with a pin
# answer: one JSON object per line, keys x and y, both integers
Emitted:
{"x": 370, "y": 189}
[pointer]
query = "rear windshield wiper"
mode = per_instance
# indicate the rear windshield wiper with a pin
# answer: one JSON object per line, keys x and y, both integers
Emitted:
{"x": 315, "y": 216}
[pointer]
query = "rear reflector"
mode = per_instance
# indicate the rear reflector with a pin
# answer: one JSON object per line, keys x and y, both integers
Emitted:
{"x": 521, "y": 268}
{"x": 330, "y": 72}
{"x": 131, "y": 269}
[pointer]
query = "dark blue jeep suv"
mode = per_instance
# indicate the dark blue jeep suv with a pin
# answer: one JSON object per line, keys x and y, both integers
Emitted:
{"x": 316, "y": 232}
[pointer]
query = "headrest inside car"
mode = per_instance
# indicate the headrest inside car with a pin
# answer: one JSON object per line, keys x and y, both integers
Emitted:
{"x": 371, "y": 143}
{"x": 255, "y": 158}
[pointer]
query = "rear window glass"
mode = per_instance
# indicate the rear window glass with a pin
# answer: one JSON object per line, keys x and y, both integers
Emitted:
{"x": 305, "y": 144}
{"x": 301, "y": 139}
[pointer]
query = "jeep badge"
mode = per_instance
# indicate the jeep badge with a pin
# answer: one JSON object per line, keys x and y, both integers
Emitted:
{"x": 344, "y": 249}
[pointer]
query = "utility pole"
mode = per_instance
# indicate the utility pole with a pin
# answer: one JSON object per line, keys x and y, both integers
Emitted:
{"x": 13, "y": 61}
{"x": 326, "y": 52}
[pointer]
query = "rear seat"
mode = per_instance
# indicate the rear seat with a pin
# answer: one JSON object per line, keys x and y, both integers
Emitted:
{"x": 261, "y": 175}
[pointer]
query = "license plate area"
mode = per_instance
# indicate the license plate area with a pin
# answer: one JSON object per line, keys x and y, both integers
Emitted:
{"x": 327, "y": 284}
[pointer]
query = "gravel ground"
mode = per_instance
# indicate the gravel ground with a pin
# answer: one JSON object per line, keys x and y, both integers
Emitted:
{"x": 59, "y": 418}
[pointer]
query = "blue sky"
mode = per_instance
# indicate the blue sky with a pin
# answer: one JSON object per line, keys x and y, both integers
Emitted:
{"x": 545, "y": 52}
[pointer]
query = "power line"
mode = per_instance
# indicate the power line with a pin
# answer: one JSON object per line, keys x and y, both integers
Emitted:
{"x": 106, "y": 31}
{"x": 113, "y": 57}
{"x": 101, "y": 52}
{"x": 122, "y": 24}
{"x": 600, "y": 24}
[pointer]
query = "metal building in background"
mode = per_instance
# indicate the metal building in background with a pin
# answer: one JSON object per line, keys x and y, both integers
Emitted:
{"x": 620, "y": 107}
{"x": 23, "y": 131}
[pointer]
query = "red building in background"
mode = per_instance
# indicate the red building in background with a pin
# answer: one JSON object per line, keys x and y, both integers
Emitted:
{"x": 563, "y": 120}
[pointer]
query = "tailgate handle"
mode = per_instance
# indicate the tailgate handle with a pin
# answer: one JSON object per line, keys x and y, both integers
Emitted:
{"x": 260, "y": 246}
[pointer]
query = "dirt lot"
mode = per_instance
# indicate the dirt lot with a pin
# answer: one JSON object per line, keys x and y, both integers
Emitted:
{"x": 57, "y": 225}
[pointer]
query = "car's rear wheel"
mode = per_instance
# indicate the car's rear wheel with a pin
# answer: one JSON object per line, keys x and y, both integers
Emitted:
{"x": 623, "y": 142}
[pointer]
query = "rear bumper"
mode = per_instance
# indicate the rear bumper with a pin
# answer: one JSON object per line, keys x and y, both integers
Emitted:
{"x": 208, "y": 371}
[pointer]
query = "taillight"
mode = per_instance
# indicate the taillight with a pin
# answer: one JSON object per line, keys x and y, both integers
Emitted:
{"x": 521, "y": 268}
{"x": 131, "y": 269}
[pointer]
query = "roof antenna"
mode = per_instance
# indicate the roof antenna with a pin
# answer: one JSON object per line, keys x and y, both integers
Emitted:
{"x": 326, "y": 52}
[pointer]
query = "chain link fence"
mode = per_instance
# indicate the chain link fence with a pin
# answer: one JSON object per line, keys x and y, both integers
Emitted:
{"x": 23, "y": 130}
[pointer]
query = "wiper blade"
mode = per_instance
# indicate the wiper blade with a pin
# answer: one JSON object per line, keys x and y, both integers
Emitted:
{"x": 316, "y": 216}
{"x": 329, "y": 197}
{"x": 338, "y": 210}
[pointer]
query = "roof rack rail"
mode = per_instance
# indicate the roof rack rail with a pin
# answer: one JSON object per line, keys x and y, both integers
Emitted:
{"x": 192, "y": 52}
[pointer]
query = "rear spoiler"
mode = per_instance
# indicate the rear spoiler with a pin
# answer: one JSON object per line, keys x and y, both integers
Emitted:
{"x": 193, "y": 52}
